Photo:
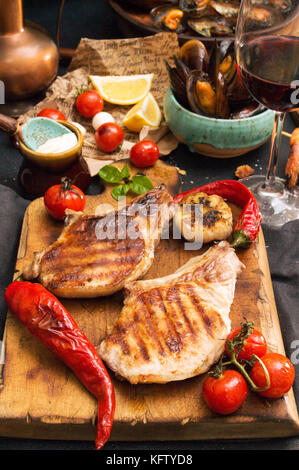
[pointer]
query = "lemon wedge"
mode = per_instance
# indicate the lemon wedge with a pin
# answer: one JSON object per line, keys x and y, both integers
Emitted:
{"x": 144, "y": 113}
{"x": 123, "y": 90}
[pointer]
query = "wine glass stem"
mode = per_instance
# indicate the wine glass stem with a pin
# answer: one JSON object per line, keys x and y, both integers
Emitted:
{"x": 275, "y": 145}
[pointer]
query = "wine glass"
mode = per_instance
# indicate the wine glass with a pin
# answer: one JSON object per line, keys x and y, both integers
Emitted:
{"x": 267, "y": 50}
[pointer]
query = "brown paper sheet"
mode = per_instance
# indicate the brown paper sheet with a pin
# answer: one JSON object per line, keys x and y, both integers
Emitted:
{"x": 114, "y": 57}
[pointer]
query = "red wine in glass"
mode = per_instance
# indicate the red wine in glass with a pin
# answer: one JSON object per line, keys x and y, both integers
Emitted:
{"x": 267, "y": 51}
{"x": 270, "y": 70}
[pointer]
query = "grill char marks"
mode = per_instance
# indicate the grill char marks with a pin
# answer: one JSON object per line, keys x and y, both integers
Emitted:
{"x": 175, "y": 325}
{"x": 165, "y": 321}
{"x": 105, "y": 259}
{"x": 96, "y": 255}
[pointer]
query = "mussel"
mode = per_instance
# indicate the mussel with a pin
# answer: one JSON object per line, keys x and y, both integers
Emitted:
{"x": 168, "y": 17}
{"x": 209, "y": 26}
{"x": 246, "y": 111}
{"x": 178, "y": 76}
{"x": 207, "y": 96}
{"x": 201, "y": 93}
{"x": 195, "y": 55}
{"x": 209, "y": 84}
{"x": 263, "y": 17}
{"x": 212, "y": 17}
{"x": 226, "y": 9}
{"x": 195, "y": 8}
{"x": 283, "y": 6}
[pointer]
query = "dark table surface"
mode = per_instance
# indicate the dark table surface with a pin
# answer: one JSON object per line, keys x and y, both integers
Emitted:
{"x": 95, "y": 19}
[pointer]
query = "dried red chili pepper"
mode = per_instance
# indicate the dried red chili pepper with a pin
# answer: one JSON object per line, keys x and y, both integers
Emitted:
{"x": 249, "y": 221}
{"x": 46, "y": 318}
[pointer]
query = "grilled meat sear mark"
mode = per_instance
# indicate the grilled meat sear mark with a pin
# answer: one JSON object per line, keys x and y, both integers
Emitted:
{"x": 180, "y": 320}
{"x": 97, "y": 255}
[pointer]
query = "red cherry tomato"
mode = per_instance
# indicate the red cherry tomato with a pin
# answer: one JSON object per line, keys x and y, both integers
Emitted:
{"x": 254, "y": 344}
{"x": 52, "y": 114}
{"x": 89, "y": 103}
{"x": 63, "y": 196}
{"x": 281, "y": 372}
{"x": 144, "y": 153}
{"x": 225, "y": 394}
{"x": 109, "y": 137}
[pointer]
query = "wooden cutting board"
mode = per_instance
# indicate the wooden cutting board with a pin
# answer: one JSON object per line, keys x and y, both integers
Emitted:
{"x": 41, "y": 398}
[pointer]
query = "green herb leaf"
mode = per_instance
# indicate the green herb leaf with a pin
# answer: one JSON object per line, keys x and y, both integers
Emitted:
{"x": 120, "y": 191}
{"x": 141, "y": 184}
{"x": 111, "y": 174}
{"x": 125, "y": 171}
{"x": 80, "y": 90}
{"x": 238, "y": 341}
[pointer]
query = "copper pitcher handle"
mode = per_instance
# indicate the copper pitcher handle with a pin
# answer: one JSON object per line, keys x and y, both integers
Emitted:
{"x": 65, "y": 53}
{"x": 8, "y": 124}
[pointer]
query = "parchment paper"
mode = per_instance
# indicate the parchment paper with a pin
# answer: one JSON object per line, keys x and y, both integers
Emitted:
{"x": 114, "y": 57}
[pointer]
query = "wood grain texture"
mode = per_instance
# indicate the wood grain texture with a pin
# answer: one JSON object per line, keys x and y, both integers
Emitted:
{"x": 41, "y": 398}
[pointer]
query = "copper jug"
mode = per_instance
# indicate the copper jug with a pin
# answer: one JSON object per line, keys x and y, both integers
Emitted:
{"x": 28, "y": 56}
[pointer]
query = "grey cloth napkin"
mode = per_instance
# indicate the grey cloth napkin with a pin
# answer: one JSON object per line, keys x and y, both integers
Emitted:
{"x": 12, "y": 208}
{"x": 283, "y": 255}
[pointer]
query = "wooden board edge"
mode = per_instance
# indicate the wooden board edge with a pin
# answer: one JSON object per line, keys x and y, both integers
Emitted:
{"x": 168, "y": 431}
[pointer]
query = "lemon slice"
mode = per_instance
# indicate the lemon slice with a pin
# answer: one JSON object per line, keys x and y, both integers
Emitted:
{"x": 124, "y": 90}
{"x": 144, "y": 113}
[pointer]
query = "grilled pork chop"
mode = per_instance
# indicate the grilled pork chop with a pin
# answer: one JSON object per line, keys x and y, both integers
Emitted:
{"x": 97, "y": 255}
{"x": 174, "y": 327}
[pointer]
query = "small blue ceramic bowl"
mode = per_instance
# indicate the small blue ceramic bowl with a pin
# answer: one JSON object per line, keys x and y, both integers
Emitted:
{"x": 217, "y": 138}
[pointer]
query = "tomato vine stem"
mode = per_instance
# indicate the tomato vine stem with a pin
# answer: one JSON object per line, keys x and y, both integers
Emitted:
{"x": 241, "y": 368}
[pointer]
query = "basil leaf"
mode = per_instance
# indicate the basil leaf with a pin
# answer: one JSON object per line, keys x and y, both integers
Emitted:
{"x": 141, "y": 184}
{"x": 120, "y": 191}
{"x": 111, "y": 174}
{"x": 125, "y": 171}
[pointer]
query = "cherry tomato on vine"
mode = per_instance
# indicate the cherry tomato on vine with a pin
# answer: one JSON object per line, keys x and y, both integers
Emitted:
{"x": 144, "y": 153}
{"x": 63, "y": 196}
{"x": 281, "y": 372}
{"x": 109, "y": 137}
{"x": 89, "y": 103}
{"x": 224, "y": 395}
{"x": 255, "y": 343}
{"x": 52, "y": 114}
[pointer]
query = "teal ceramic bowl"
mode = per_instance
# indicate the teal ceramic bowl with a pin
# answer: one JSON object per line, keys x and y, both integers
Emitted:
{"x": 217, "y": 138}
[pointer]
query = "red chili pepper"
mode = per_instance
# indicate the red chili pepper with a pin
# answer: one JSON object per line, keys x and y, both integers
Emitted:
{"x": 249, "y": 221}
{"x": 47, "y": 319}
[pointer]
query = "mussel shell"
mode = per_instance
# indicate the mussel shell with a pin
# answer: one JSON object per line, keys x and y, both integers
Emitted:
{"x": 261, "y": 17}
{"x": 222, "y": 105}
{"x": 247, "y": 111}
{"x": 178, "y": 85}
{"x": 195, "y": 55}
{"x": 192, "y": 94}
{"x": 145, "y": 5}
{"x": 237, "y": 93}
{"x": 221, "y": 30}
{"x": 227, "y": 10}
{"x": 182, "y": 68}
{"x": 158, "y": 16}
{"x": 283, "y": 6}
{"x": 215, "y": 105}
{"x": 202, "y": 26}
{"x": 195, "y": 8}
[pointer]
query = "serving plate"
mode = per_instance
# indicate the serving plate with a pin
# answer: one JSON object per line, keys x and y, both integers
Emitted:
{"x": 134, "y": 22}
{"x": 41, "y": 398}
